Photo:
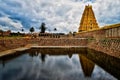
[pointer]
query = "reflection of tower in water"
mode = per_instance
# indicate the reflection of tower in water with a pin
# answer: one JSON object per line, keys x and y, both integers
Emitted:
{"x": 87, "y": 66}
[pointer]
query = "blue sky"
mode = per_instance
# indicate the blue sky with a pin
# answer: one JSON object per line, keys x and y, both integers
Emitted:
{"x": 64, "y": 15}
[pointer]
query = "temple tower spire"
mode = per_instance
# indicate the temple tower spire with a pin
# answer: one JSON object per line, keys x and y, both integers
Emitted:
{"x": 88, "y": 20}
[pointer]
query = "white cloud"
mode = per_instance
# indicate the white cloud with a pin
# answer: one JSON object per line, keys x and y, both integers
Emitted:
{"x": 8, "y": 22}
{"x": 107, "y": 11}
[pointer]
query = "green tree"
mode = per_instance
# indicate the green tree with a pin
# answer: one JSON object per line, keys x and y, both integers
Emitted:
{"x": 22, "y": 30}
{"x": 70, "y": 32}
{"x": 55, "y": 29}
{"x": 42, "y": 28}
{"x": 1, "y": 31}
{"x": 74, "y": 33}
{"x": 32, "y": 29}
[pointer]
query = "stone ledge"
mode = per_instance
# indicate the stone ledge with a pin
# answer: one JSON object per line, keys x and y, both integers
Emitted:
{"x": 12, "y": 51}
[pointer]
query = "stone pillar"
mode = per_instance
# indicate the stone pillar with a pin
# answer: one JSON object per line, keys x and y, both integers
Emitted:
{"x": 107, "y": 33}
{"x": 118, "y": 31}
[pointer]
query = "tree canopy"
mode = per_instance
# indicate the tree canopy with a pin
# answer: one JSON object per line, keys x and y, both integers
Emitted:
{"x": 22, "y": 30}
{"x": 55, "y": 29}
{"x": 42, "y": 28}
{"x": 32, "y": 29}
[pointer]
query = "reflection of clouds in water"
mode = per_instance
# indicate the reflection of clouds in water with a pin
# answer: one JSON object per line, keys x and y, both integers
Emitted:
{"x": 13, "y": 72}
{"x": 75, "y": 61}
{"x": 98, "y": 73}
{"x": 54, "y": 68}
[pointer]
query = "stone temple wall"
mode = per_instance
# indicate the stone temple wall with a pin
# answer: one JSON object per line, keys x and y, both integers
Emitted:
{"x": 112, "y": 31}
{"x": 6, "y": 44}
{"x": 106, "y": 45}
{"x": 109, "y": 46}
{"x": 106, "y": 39}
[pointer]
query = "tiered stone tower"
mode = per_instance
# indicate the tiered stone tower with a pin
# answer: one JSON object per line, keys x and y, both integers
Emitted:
{"x": 88, "y": 21}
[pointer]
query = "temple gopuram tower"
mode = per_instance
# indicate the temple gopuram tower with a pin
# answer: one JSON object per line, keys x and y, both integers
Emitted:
{"x": 88, "y": 20}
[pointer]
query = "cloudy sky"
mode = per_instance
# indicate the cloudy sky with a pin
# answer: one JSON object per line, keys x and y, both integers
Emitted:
{"x": 64, "y": 15}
